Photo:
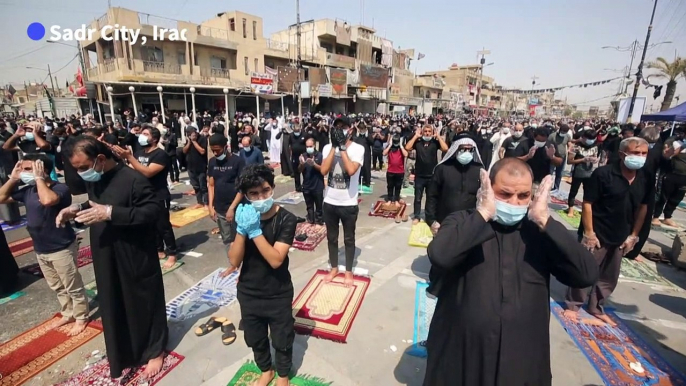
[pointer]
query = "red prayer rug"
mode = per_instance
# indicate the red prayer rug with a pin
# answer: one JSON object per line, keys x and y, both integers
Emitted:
{"x": 21, "y": 247}
{"x": 387, "y": 210}
{"x": 99, "y": 374}
{"x": 559, "y": 201}
{"x": 618, "y": 354}
{"x": 315, "y": 234}
{"x": 38, "y": 348}
{"x": 84, "y": 258}
{"x": 327, "y": 310}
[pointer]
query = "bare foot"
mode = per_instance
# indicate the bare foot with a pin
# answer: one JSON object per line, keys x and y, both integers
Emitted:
{"x": 669, "y": 222}
{"x": 265, "y": 379}
{"x": 161, "y": 255}
{"x": 571, "y": 315}
{"x": 153, "y": 367}
{"x": 605, "y": 319}
{"x": 415, "y": 221}
{"x": 197, "y": 206}
{"x": 570, "y": 212}
{"x": 207, "y": 207}
{"x": 78, "y": 327}
{"x": 639, "y": 259}
{"x": 656, "y": 222}
{"x": 61, "y": 322}
{"x": 348, "y": 279}
{"x": 171, "y": 260}
{"x": 282, "y": 381}
{"x": 214, "y": 231}
{"x": 332, "y": 274}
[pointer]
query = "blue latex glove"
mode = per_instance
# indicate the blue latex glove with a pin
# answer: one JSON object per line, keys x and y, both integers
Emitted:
{"x": 237, "y": 218}
{"x": 251, "y": 222}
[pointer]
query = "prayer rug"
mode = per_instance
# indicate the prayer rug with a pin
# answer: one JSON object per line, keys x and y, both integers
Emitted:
{"x": 84, "y": 258}
{"x": 187, "y": 216}
{"x": 387, "y": 210}
{"x": 618, "y": 354}
{"x": 209, "y": 293}
{"x": 327, "y": 310}
{"x": 249, "y": 373}
{"x": 281, "y": 179}
{"x": 292, "y": 198}
{"x": 173, "y": 267}
{"x": 573, "y": 221}
{"x": 21, "y": 247}
{"x": 315, "y": 234}
{"x": 7, "y": 227}
{"x": 563, "y": 201}
{"x": 639, "y": 272}
{"x": 99, "y": 374}
{"x": 424, "y": 307}
{"x": 38, "y": 348}
{"x": 11, "y": 297}
{"x": 366, "y": 189}
{"x": 420, "y": 235}
{"x": 407, "y": 192}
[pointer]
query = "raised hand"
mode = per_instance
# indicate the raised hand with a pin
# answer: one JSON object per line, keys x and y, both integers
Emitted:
{"x": 16, "y": 171}
{"x": 538, "y": 209}
{"x": 485, "y": 198}
{"x": 249, "y": 221}
{"x": 532, "y": 152}
{"x": 550, "y": 151}
{"x": 20, "y": 131}
{"x": 38, "y": 169}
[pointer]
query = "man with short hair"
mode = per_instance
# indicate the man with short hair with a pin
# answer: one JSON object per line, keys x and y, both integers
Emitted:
{"x": 560, "y": 139}
{"x": 56, "y": 248}
{"x": 492, "y": 278}
{"x": 313, "y": 182}
{"x": 515, "y": 146}
{"x": 542, "y": 155}
{"x": 195, "y": 150}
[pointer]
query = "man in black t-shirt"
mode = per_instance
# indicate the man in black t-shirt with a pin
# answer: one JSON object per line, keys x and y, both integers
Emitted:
{"x": 153, "y": 163}
{"x": 222, "y": 172}
{"x": 265, "y": 233}
{"x": 379, "y": 138}
{"x": 515, "y": 146}
{"x": 196, "y": 164}
{"x": 297, "y": 148}
{"x": 313, "y": 182}
{"x": 542, "y": 155}
{"x": 426, "y": 142}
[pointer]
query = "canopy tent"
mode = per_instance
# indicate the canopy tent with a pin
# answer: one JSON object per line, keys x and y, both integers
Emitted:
{"x": 675, "y": 114}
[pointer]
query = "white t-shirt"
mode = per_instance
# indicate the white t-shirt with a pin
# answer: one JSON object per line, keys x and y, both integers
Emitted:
{"x": 342, "y": 189}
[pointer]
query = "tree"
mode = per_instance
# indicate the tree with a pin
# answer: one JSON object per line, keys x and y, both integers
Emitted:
{"x": 671, "y": 71}
{"x": 577, "y": 115}
{"x": 568, "y": 111}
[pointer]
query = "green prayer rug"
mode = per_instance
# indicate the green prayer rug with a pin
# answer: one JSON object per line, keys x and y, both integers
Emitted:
{"x": 249, "y": 373}
{"x": 639, "y": 272}
{"x": 366, "y": 190}
{"x": 11, "y": 297}
{"x": 573, "y": 221}
{"x": 407, "y": 192}
{"x": 173, "y": 267}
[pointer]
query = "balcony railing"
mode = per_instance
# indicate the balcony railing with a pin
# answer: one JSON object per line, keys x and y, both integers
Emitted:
{"x": 162, "y": 67}
{"x": 103, "y": 21}
{"x": 215, "y": 72}
{"x": 108, "y": 65}
{"x": 277, "y": 46}
{"x": 93, "y": 72}
{"x": 216, "y": 33}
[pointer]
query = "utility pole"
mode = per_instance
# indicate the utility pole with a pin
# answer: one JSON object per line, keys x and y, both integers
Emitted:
{"x": 639, "y": 73}
{"x": 84, "y": 75}
{"x": 298, "y": 64}
{"x": 52, "y": 82}
{"x": 482, "y": 61}
{"x": 634, "y": 48}
{"x": 533, "y": 82}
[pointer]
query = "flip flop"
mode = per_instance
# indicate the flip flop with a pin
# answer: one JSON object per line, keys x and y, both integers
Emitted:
{"x": 210, "y": 325}
{"x": 228, "y": 333}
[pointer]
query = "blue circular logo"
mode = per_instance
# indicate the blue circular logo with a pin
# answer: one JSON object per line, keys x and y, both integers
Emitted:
{"x": 36, "y": 31}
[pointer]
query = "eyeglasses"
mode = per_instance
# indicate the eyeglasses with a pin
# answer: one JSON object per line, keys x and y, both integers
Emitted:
{"x": 466, "y": 150}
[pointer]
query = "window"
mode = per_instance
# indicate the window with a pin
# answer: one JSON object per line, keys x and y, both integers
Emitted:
{"x": 181, "y": 57}
{"x": 217, "y": 62}
{"x": 257, "y": 64}
{"x": 327, "y": 47}
{"x": 152, "y": 54}
{"x": 254, "y": 30}
{"x": 245, "y": 33}
{"x": 245, "y": 64}
{"x": 232, "y": 24}
{"x": 340, "y": 50}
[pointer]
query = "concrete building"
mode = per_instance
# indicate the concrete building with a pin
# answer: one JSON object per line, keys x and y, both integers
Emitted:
{"x": 464, "y": 80}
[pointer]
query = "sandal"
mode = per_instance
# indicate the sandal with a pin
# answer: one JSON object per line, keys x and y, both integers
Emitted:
{"x": 228, "y": 333}
{"x": 405, "y": 218}
{"x": 210, "y": 325}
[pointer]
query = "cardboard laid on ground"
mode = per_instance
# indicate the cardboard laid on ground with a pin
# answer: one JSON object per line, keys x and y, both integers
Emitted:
{"x": 292, "y": 198}
{"x": 209, "y": 293}
{"x": 186, "y": 216}
{"x": 424, "y": 307}
{"x": 420, "y": 235}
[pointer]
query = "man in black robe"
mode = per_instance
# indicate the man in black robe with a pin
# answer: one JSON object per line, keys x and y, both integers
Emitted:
{"x": 123, "y": 210}
{"x": 491, "y": 321}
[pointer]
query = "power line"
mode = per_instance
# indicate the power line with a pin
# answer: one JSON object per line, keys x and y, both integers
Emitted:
{"x": 61, "y": 68}
{"x": 593, "y": 100}
{"x": 24, "y": 54}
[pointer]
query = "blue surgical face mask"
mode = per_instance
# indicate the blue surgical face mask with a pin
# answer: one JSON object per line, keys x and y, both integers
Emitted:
{"x": 310, "y": 150}
{"x": 29, "y": 136}
{"x": 263, "y": 206}
{"x": 296, "y": 133}
{"x": 465, "y": 157}
{"x": 143, "y": 140}
{"x": 590, "y": 141}
{"x": 221, "y": 157}
{"x": 91, "y": 175}
{"x": 508, "y": 214}
{"x": 247, "y": 148}
{"x": 27, "y": 178}
{"x": 634, "y": 162}
{"x": 427, "y": 139}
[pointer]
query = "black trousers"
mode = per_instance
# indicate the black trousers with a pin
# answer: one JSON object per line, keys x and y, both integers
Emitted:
{"x": 166, "y": 242}
{"x": 574, "y": 189}
{"x": 347, "y": 215}
{"x": 286, "y": 165}
{"x": 199, "y": 184}
{"x": 262, "y": 317}
{"x": 181, "y": 158}
{"x": 174, "y": 168}
{"x": 671, "y": 194}
{"x": 9, "y": 270}
{"x": 314, "y": 201}
{"x": 377, "y": 155}
{"x": 395, "y": 184}
{"x": 295, "y": 162}
{"x": 421, "y": 184}
{"x": 366, "y": 172}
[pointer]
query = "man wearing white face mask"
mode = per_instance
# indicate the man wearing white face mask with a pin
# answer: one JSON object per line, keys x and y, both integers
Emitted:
{"x": 491, "y": 271}
{"x": 542, "y": 156}
{"x": 614, "y": 208}
{"x": 56, "y": 248}
{"x": 515, "y": 146}
{"x": 497, "y": 140}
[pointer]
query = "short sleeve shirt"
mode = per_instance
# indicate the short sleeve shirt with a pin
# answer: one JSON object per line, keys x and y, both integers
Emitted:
{"x": 342, "y": 189}
{"x": 159, "y": 180}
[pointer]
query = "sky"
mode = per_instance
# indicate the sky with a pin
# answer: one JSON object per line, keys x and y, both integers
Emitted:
{"x": 558, "y": 41}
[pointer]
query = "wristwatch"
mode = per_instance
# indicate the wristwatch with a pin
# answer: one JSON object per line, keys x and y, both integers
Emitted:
{"x": 341, "y": 147}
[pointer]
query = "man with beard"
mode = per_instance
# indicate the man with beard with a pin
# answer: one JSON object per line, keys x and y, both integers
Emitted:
{"x": 493, "y": 283}
{"x": 362, "y": 137}
{"x": 122, "y": 212}
{"x": 584, "y": 158}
